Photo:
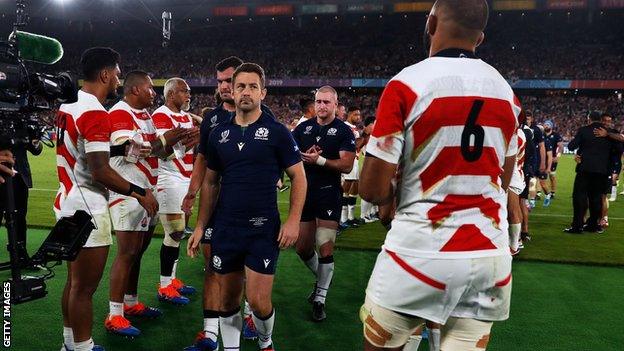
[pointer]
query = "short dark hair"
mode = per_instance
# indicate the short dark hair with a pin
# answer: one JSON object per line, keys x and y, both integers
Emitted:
{"x": 250, "y": 67}
{"x": 228, "y": 62}
{"x": 606, "y": 114}
{"x": 595, "y": 115}
{"x": 134, "y": 78}
{"x": 305, "y": 102}
{"x": 353, "y": 108}
{"x": 96, "y": 59}
{"x": 368, "y": 121}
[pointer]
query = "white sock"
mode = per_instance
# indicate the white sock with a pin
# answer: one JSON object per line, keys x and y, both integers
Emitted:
{"x": 165, "y": 281}
{"x": 247, "y": 309}
{"x": 131, "y": 300}
{"x": 84, "y": 345}
{"x": 549, "y": 195}
{"x": 434, "y": 339}
{"x": 264, "y": 327}
{"x": 514, "y": 235}
{"x": 325, "y": 274}
{"x": 365, "y": 208}
{"x": 173, "y": 270}
{"x": 312, "y": 263}
{"x": 115, "y": 308}
{"x": 231, "y": 326}
{"x": 351, "y": 212}
{"x": 68, "y": 337}
{"x": 614, "y": 191}
{"x": 211, "y": 328}
{"x": 343, "y": 215}
{"x": 412, "y": 343}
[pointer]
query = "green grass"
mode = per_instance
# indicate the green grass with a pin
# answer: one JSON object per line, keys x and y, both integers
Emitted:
{"x": 546, "y": 224}
{"x": 554, "y": 307}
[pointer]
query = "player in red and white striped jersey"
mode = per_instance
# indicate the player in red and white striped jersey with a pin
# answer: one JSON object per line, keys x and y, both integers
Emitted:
{"x": 516, "y": 187}
{"x": 449, "y": 122}
{"x": 132, "y": 224}
{"x": 174, "y": 177}
{"x": 350, "y": 183}
{"x": 83, "y": 150}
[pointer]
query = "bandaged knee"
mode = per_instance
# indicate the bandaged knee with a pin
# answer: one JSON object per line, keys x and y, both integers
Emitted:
{"x": 323, "y": 236}
{"x": 386, "y": 328}
{"x": 174, "y": 230}
{"x": 465, "y": 334}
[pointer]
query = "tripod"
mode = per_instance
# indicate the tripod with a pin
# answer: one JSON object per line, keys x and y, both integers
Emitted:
{"x": 13, "y": 264}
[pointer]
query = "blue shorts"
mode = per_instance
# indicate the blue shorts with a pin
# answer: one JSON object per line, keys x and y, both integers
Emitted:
{"x": 250, "y": 242}
{"x": 324, "y": 202}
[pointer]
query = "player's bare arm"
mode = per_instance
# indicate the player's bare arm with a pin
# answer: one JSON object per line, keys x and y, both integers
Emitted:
{"x": 103, "y": 173}
{"x": 207, "y": 203}
{"x": 377, "y": 181}
{"x": 290, "y": 229}
{"x": 161, "y": 147}
{"x": 344, "y": 164}
{"x": 508, "y": 168}
{"x": 197, "y": 182}
{"x": 602, "y": 132}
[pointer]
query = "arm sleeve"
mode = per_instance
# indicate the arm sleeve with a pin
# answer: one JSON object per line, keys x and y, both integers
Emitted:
{"x": 387, "y": 139}
{"x": 287, "y": 150}
{"x": 204, "y": 134}
{"x": 512, "y": 149}
{"x": 121, "y": 126}
{"x": 162, "y": 122}
{"x": 347, "y": 143}
{"x": 94, "y": 126}
{"x": 211, "y": 155}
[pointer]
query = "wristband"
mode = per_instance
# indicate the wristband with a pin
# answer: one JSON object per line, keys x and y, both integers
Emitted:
{"x": 135, "y": 189}
{"x": 163, "y": 140}
{"x": 119, "y": 150}
{"x": 321, "y": 161}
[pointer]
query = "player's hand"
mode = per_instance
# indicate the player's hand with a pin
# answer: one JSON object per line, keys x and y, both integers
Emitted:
{"x": 311, "y": 156}
{"x": 600, "y": 132}
{"x": 6, "y": 164}
{"x": 187, "y": 203}
{"x": 192, "y": 246}
{"x": 192, "y": 138}
{"x": 149, "y": 203}
{"x": 288, "y": 235}
{"x": 145, "y": 150}
{"x": 577, "y": 158}
{"x": 542, "y": 168}
{"x": 174, "y": 135}
{"x": 197, "y": 120}
{"x": 555, "y": 159}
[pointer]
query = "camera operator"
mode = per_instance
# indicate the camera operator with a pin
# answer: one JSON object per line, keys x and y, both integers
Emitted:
{"x": 21, "y": 183}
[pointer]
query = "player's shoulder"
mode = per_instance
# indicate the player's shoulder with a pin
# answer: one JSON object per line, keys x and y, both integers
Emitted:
{"x": 162, "y": 110}
{"x": 85, "y": 103}
{"x": 306, "y": 123}
{"x": 269, "y": 121}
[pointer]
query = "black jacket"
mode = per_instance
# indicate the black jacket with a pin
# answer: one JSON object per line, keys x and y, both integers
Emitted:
{"x": 21, "y": 161}
{"x": 595, "y": 152}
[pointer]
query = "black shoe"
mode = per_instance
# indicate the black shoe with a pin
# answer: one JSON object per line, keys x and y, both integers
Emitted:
{"x": 312, "y": 295}
{"x": 524, "y": 237}
{"x": 353, "y": 223}
{"x": 597, "y": 229}
{"x": 573, "y": 230}
{"x": 318, "y": 312}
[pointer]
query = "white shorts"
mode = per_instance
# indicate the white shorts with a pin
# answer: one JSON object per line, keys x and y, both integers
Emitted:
{"x": 101, "y": 236}
{"x": 170, "y": 200}
{"x": 355, "y": 172}
{"x": 436, "y": 289}
{"x": 517, "y": 181}
{"x": 128, "y": 215}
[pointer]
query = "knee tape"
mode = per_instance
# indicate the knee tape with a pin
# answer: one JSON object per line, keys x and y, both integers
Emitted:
{"x": 533, "y": 184}
{"x": 174, "y": 229}
{"x": 465, "y": 334}
{"x": 324, "y": 235}
{"x": 386, "y": 328}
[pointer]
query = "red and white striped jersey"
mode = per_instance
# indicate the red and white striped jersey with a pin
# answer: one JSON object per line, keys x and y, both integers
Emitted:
{"x": 449, "y": 122}
{"x": 82, "y": 127}
{"x": 125, "y": 122}
{"x": 521, "y": 155}
{"x": 175, "y": 171}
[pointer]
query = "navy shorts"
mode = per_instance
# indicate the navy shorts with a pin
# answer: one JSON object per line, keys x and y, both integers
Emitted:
{"x": 542, "y": 175}
{"x": 250, "y": 242}
{"x": 323, "y": 202}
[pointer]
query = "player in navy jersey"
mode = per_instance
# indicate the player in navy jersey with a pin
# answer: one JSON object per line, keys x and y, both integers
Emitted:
{"x": 328, "y": 149}
{"x": 554, "y": 145}
{"x": 539, "y": 161}
{"x": 246, "y": 155}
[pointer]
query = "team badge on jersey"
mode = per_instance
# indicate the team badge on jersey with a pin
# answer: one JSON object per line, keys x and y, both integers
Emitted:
{"x": 262, "y": 134}
{"x": 224, "y": 136}
{"x": 332, "y": 131}
{"x": 308, "y": 130}
{"x": 213, "y": 122}
{"x": 208, "y": 234}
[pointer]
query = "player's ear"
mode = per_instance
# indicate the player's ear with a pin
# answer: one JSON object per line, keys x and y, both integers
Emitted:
{"x": 480, "y": 39}
{"x": 263, "y": 95}
{"x": 432, "y": 24}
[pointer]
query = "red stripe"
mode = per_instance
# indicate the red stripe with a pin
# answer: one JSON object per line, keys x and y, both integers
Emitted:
{"x": 152, "y": 179}
{"x": 504, "y": 281}
{"x": 61, "y": 150}
{"x": 65, "y": 179}
{"x": 184, "y": 172}
{"x": 420, "y": 276}
{"x": 57, "y": 201}
{"x": 115, "y": 203}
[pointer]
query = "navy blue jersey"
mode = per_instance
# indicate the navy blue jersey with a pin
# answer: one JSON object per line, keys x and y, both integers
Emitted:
{"x": 551, "y": 140}
{"x": 331, "y": 139}
{"x": 211, "y": 119}
{"x": 249, "y": 161}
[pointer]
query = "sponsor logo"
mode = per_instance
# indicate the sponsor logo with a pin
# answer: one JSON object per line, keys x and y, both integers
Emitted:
{"x": 332, "y": 131}
{"x": 318, "y": 138}
{"x": 240, "y": 146}
{"x": 258, "y": 221}
{"x": 266, "y": 262}
{"x": 329, "y": 212}
{"x": 216, "y": 262}
{"x": 224, "y": 136}
{"x": 262, "y": 134}
{"x": 208, "y": 234}
{"x": 308, "y": 130}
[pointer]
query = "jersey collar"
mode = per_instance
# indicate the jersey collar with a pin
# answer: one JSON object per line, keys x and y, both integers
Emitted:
{"x": 456, "y": 53}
